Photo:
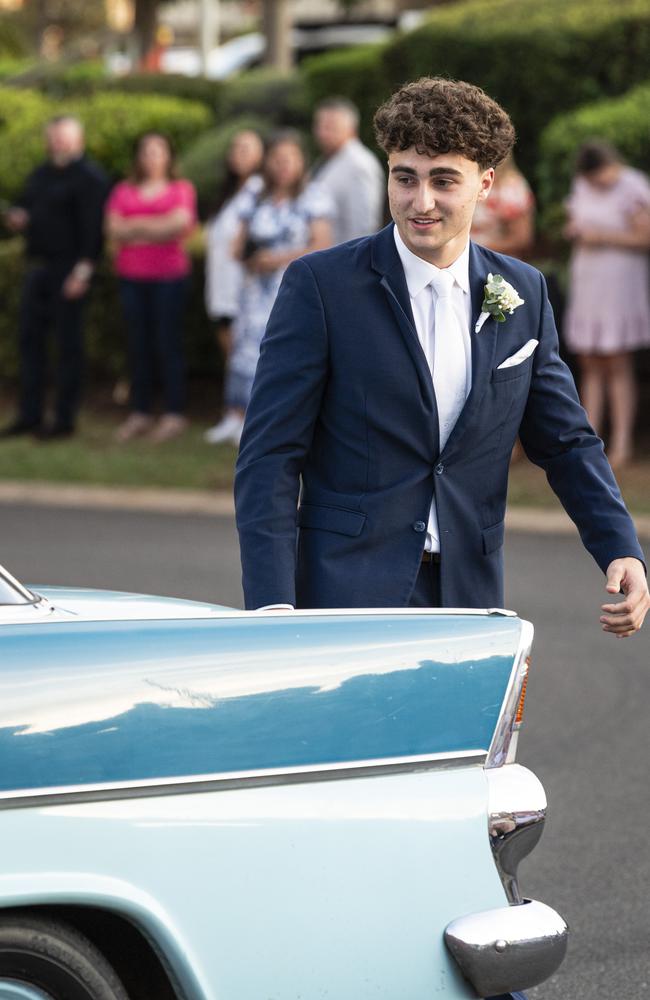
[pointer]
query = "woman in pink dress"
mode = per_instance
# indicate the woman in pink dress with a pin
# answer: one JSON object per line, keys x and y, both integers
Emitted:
{"x": 608, "y": 313}
{"x": 148, "y": 217}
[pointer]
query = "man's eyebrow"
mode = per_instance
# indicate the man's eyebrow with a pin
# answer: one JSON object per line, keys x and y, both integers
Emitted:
{"x": 434, "y": 172}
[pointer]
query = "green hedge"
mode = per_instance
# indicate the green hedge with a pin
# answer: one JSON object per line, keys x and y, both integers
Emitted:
{"x": 279, "y": 98}
{"x": 22, "y": 115}
{"x": 112, "y": 123}
{"x": 190, "y": 88}
{"x": 357, "y": 74}
{"x": 275, "y": 95}
{"x": 622, "y": 121}
{"x": 13, "y": 43}
{"x": 535, "y": 58}
{"x": 57, "y": 80}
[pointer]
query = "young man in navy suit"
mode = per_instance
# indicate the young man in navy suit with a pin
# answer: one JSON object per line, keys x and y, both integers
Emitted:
{"x": 395, "y": 374}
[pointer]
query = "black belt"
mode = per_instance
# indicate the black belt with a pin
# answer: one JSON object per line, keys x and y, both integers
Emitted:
{"x": 430, "y": 557}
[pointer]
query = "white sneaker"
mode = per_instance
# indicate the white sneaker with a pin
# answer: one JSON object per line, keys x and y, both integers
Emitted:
{"x": 228, "y": 429}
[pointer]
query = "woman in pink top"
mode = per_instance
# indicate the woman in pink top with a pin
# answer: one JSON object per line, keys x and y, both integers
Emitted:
{"x": 147, "y": 218}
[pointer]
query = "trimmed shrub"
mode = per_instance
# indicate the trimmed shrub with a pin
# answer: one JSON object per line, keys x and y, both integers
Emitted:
{"x": 20, "y": 108}
{"x": 532, "y": 58}
{"x": 190, "y": 88}
{"x": 622, "y": 121}
{"x": 279, "y": 98}
{"x": 265, "y": 92}
{"x": 61, "y": 81}
{"x": 112, "y": 122}
{"x": 11, "y": 67}
{"x": 22, "y": 116}
{"x": 356, "y": 73}
{"x": 13, "y": 42}
{"x": 204, "y": 162}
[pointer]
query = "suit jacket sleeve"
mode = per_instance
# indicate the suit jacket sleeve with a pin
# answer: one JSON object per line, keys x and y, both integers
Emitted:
{"x": 556, "y": 436}
{"x": 280, "y": 421}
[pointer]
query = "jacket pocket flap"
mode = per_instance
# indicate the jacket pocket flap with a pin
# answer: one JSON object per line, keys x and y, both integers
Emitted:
{"x": 493, "y": 537}
{"x": 345, "y": 522}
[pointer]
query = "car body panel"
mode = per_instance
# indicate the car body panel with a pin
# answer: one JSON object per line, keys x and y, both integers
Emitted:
{"x": 337, "y": 888}
{"x": 287, "y": 806}
{"x": 145, "y": 700}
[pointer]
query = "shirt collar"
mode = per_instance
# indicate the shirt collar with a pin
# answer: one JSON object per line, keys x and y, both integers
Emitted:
{"x": 419, "y": 272}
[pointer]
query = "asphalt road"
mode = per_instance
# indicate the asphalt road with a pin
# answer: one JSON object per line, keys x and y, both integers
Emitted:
{"x": 586, "y": 733}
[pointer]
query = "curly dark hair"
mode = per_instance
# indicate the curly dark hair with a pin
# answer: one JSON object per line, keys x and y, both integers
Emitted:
{"x": 436, "y": 115}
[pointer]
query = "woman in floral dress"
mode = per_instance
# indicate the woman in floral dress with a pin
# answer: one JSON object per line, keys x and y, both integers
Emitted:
{"x": 283, "y": 221}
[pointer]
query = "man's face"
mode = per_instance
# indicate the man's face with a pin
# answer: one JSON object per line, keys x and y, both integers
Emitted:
{"x": 332, "y": 129}
{"x": 432, "y": 201}
{"x": 65, "y": 141}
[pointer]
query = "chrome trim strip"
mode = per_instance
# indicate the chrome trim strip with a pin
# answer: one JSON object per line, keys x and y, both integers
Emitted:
{"x": 240, "y": 779}
{"x": 174, "y": 613}
{"x": 498, "y": 751}
{"x": 509, "y": 948}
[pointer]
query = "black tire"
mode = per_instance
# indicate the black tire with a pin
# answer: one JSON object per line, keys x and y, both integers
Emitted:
{"x": 56, "y": 959}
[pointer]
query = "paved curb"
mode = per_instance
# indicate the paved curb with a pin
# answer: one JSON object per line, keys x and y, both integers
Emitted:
{"x": 163, "y": 500}
{"x": 155, "y": 500}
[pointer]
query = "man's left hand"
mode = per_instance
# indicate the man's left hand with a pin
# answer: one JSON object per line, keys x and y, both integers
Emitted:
{"x": 626, "y": 618}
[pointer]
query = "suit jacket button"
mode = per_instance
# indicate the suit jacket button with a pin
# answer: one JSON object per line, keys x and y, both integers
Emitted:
{"x": 439, "y": 469}
{"x": 419, "y": 526}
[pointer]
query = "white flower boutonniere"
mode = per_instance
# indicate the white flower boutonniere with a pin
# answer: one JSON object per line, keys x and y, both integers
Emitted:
{"x": 499, "y": 298}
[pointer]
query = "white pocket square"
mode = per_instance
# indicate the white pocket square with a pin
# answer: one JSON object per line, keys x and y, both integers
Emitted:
{"x": 521, "y": 355}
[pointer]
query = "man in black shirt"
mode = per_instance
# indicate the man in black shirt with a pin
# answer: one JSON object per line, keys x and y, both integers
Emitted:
{"x": 60, "y": 212}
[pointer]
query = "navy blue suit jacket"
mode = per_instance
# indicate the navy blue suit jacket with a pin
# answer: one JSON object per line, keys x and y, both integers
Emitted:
{"x": 340, "y": 453}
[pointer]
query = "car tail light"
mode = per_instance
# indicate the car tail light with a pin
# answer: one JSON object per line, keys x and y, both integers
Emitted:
{"x": 520, "y": 707}
{"x": 503, "y": 748}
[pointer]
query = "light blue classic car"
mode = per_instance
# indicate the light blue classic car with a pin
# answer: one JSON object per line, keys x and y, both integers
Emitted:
{"x": 198, "y": 803}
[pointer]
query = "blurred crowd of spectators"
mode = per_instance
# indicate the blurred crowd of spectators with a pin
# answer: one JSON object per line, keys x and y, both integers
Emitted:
{"x": 273, "y": 207}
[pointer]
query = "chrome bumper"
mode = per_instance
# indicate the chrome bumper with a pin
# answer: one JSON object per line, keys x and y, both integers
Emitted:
{"x": 510, "y": 948}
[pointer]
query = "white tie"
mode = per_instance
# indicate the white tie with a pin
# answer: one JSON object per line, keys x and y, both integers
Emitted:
{"x": 449, "y": 362}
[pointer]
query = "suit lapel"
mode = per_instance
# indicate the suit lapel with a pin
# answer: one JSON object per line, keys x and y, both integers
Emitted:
{"x": 483, "y": 346}
{"x": 385, "y": 260}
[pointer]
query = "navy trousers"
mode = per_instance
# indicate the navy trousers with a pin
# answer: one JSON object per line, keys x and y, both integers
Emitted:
{"x": 154, "y": 313}
{"x": 426, "y": 593}
{"x": 44, "y": 311}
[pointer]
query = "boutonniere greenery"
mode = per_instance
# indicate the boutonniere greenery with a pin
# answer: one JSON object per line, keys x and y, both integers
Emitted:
{"x": 499, "y": 298}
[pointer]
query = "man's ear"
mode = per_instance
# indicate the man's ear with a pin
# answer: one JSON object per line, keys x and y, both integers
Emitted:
{"x": 486, "y": 182}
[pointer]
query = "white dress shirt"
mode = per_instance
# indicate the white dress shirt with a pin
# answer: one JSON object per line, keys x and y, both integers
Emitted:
{"x": 418, "y": 273}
